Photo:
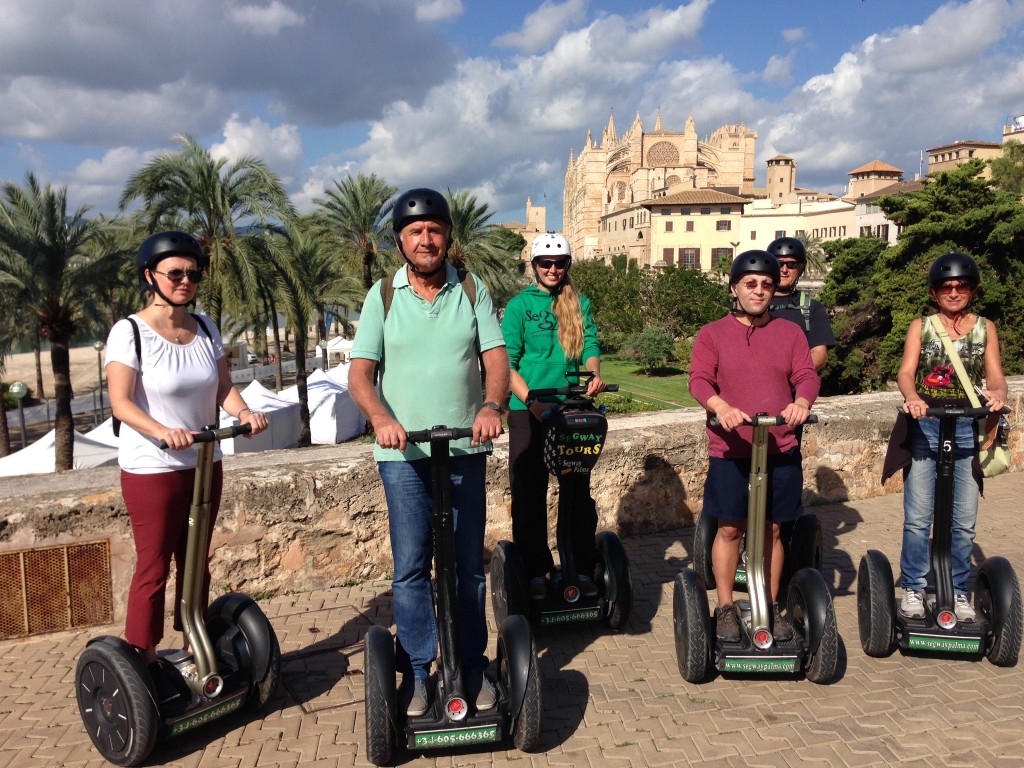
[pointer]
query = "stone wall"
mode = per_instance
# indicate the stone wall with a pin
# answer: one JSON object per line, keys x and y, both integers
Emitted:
{"x": 316, "y": 517}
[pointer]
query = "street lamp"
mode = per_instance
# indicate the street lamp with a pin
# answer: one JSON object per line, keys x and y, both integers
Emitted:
{"x": 323, "y": 353}
{"x": 98, "y": 346}
{"x": 18, "y": 391}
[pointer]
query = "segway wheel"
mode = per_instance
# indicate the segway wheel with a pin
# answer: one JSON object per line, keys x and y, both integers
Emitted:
{"x": 519, "y": 676}
{"x": 802, "y": 546}
{"x": 618, "y": 586}
{"x": 809, "y": 603}
{"x": 508, "y": 582}
{"x": 116, "y": 706}
{"x": 703, "y": 540}
{"x": 997, "y": 598}
{"x": 244, "y": 639}
{"x": 691, "y": 621}
{"x": 876, "y": 603}
{"x": 380, "y": 698}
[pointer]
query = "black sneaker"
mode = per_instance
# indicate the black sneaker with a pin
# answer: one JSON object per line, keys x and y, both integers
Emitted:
{"x": 538, "y": 588}
{"x": 587, "y": 586}
{"x": 781, "y": 628}
{"x": 169, "y": 684}
{"x": 727, "y": 623}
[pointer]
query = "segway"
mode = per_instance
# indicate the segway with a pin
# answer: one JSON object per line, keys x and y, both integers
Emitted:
{"x": 814, "y": 648}
{"x": 450, "y": 721}
{"x": 234, "y": 661}
{"x": 575, "y": 434}
{"x": 997, "y": 629}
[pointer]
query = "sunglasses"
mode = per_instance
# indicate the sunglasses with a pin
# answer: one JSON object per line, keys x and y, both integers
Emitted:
{"x": 789, "y": 264}
{"x": 947, "y": 288}
{"x": 753, "y": 285}
{"x": 551, "y": 263}
{"x": 177, "y": 275}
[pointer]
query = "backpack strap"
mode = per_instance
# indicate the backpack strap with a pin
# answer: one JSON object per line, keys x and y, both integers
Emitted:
{"x": 805, "y": 309}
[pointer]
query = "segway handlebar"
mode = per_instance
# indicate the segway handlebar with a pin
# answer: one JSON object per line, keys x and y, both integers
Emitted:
{"x": 438, "y": 433}
{"x": 571, "y": 390}
{"x": 772, "y": 421}
{"x": 213, "y": 435}
{"x": 938, "y": 411}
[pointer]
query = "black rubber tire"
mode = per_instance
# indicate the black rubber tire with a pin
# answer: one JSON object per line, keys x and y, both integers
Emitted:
{"x": 691, "y": 621}
{"x": 116, "y": 706}
{"x": 614, "y": 565}
{"x": 876, "y": 604}
{"x": 802, "y": 546}
{"x": 527, "y": 722}
{"x": 1003, "y": 647}
{"x": 381, "y": 699}
{"x": 807, "y": 589}
{"x": 508, "y": 582}
{"x": 704, "y": 533}
{"x": 264, "y": 690}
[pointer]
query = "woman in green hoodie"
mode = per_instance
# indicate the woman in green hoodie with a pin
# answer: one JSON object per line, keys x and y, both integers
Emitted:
{"x": 549, "y": 330}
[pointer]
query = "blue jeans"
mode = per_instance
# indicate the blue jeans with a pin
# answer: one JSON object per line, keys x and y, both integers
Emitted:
{"x": 407, "y": 486}
{"x": 919, "y": 500}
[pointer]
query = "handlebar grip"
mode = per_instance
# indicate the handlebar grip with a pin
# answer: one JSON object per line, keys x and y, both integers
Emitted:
{"x": 212, "y": 435}
{"x": 438, "y": 433}
{"x": 772, "y": 421}
{"x": 938, "y": 411}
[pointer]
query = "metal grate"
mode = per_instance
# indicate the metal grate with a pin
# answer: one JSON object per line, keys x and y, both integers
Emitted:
{"x": 55, "y": 588}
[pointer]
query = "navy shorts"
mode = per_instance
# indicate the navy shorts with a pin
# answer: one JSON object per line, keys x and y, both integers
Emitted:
{"x": 726, "y": 489}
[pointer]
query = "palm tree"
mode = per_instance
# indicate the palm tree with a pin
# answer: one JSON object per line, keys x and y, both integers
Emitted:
{"x": 357, "y": 213}
{"x": 224, "y": 205}
{"x": 46, "y": 252}
{"x": 477, "y": 245}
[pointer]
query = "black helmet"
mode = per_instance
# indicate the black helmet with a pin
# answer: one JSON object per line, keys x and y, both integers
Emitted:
{"x": 163, "y": 244}
{"x": 788, "y": 246}
{"x": 419, "y": 204}
{"x": 953, "y": 266}
{"x": 754, "y": 262}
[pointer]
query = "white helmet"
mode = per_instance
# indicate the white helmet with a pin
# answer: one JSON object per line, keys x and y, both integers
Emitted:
{"x": 550, "y": 245}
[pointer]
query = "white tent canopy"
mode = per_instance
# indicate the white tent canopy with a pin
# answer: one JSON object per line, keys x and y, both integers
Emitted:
{"x": 38, "y": 458}
{"x": 333, "y": 415}
{"x": 282, "y": 414}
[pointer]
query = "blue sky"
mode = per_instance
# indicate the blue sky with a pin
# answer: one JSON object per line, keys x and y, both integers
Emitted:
{"x": 491, "y": 97}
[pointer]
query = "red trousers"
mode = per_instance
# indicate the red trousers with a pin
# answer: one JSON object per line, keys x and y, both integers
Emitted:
{"x": 158, "y": 506}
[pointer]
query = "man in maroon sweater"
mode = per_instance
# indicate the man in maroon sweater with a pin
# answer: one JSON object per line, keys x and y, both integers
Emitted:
{"x": 744, "y": 364}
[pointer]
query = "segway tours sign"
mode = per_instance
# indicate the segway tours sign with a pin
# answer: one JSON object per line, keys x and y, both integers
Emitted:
{"x": 573, "y": 442}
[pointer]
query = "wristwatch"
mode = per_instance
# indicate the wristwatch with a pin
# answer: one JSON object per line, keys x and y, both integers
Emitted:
{"x": 494, "y": 406}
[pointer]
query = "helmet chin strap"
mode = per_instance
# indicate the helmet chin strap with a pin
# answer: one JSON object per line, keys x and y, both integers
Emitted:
{"x": 420, "y": 272}
{"x": 153, "y": 287}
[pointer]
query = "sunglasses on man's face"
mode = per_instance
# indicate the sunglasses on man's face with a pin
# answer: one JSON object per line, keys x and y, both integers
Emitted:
{"x": 788, "y": 264}
{"x": 177, "y": 275}
{"x": 551, "y": 263}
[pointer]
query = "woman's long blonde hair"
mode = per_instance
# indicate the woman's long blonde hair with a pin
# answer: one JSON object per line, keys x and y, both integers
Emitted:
{"x": 569, "y": 313}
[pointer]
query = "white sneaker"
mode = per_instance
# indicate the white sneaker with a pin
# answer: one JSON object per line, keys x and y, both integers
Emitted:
{"x": 963, "y": 608}
{"x": 912, "y": 604}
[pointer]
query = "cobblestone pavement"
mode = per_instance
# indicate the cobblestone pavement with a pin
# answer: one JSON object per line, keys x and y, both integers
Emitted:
{"x": 609, "y": 699}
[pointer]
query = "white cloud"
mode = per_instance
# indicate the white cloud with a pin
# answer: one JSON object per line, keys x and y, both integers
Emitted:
{"x": 794, "y": 35}
{"x": 264, "y": 21}
{"x": 279, "y": 147}
{"x": 543, "y": 26}
{"x": 778, "y": 70}
{"x": 902, "y": 91}
{"x": 438, "y": 10}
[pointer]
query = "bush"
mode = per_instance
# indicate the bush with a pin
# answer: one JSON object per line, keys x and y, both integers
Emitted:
{"x": 624, "y": 404}
{"x": 652, "y": 348}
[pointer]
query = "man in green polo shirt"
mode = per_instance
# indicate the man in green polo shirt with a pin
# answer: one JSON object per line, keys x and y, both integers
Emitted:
{"x": 428, "y": 332}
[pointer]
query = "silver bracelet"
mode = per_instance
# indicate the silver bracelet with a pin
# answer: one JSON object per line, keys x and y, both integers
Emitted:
{"x": 250, "y": 410}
